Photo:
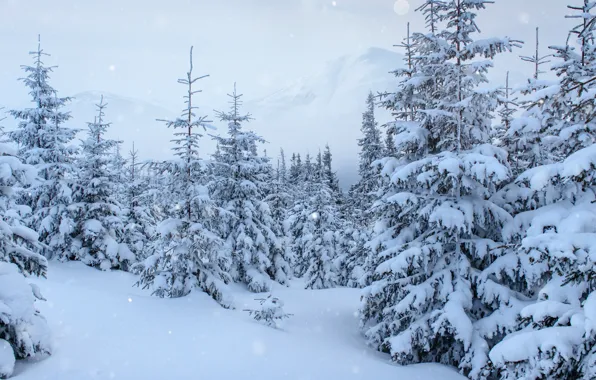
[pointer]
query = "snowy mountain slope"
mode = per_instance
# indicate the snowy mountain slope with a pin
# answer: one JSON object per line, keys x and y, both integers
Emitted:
{"x": 329, "y": 105}
{"x": 105, "y": 329}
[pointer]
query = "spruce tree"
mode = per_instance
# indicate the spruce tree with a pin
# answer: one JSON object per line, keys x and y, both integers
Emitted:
{"x": 523, "y": 136}
{"x": 186, "y": 252}
{"x": 23, "y": 330}
{"x": 279, "y": 200}
{"x": 549, "y": 255}
{"x": 250, "y": 237}
{"x": 371, "y": 150}
{"x": 436, "y": 221}
{"x": 140, "y": 218}
{"x": 98, "y": 215}
{"x": 46, "y": 144}
{"x": 329, "y": 177}
{"x": 320, "y": 243}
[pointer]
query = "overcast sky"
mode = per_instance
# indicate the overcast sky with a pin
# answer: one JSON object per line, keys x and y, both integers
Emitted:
{"x": 138, "y": 48}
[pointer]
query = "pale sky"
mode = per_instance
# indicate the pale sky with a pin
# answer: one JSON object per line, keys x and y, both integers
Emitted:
{"x": 138, "y": 48}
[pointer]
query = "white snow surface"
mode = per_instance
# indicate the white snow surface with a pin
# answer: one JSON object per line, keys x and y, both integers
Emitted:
{"x": 103, "y": 328}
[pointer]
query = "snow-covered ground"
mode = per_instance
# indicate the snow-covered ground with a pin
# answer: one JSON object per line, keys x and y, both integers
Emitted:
{"x": 106, "y": 329}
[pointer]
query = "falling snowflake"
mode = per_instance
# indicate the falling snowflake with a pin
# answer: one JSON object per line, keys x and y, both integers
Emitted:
{"x": 401, "y": 7}
{"x": 334, "y": 3}
{"x": 314, "y": 215}
{"x": 112, "y": 68}
{"x": 524, "y": 18}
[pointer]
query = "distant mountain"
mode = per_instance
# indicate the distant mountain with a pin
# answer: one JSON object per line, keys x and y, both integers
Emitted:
{"x": 326, "y": 107}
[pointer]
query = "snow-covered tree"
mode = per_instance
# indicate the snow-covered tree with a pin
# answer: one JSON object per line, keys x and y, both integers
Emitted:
{"x": 436, "y": 222}
{"x": 271, "y": 311}
{"x": 118, "y": 166}
{"x": 320, "y": 243}
{"x": 507, "y": 110}
{"x": 523, "y": 136}
{"x": 282, "y": 170}
{"x": 352, "y": 254}
{"x": 329, "y": 177}
{"x": 549, "y": 258}
{"x": 140, "y": 218}
{"x": 46, "y": 144}
{"x": 298, "y": 227}
{"x": 371, "y": 149}
{"x": 279, "y": 199}
{"x": 186, "y": 252}
{"x": 23, "y": 330}
{"x": 98, "y": 216}
{"x": 250, "y": 237}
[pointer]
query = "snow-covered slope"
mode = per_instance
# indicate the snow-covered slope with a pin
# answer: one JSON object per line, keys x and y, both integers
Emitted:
{"x": 326, "y": 107}
{"x": 103, "y": 328}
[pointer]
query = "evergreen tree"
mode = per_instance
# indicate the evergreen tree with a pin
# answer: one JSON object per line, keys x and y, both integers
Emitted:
{"x": 98, "y": 216}
{"x": 45, "y": 144}
{"x": 320, "y": 243}
{"x": 140, "y": 217}
{"x": 250, "y": 237}
{"x": 371, "y": 150}
{"x": 548, "y": 259}
{"x": 329, "y": 177}
{"x": 295, "y": 169}
{"x": 282, "y": 169}
{"x": 436, "y": 221}
{"x": 523, "y": 136}
{"x": 279, "y": 200}
{"x": 23, "y": 330}
{"x": 117, "y": 166}
{"x": 186, "y": 252}
{"x": 352, "y": 255}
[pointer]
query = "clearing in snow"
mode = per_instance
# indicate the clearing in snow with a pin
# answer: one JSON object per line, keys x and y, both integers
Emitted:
{"x": 103, "y": 328}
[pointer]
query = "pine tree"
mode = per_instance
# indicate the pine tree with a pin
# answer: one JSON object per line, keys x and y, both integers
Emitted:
{"x": 117, "y": 166}
{"x": 507, "y": 110}
{"x": 549, "y": 257}
{"x": 279, "y": 200}
{"x": 436, "y": 222}
{"x": 522, "y": 136}
{"x": 250, "y": 237}
{"x": 140, "y": 218}
{"x": 320, "y": 243}
{"x": 186, "y": 252}
{"x": 23, "y": 330}
{"x": 282, "y": 169}
{"x": 45, "y": 144}
{"x": 329, "y": 177}
{"x": 352, "y": 255}
{"x": 98, "y": 216}
{"x": 295, "y": 169}
{"x": 371, "y": 150}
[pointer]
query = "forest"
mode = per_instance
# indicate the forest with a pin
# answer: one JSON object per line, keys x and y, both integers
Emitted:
{"x": 469, "y": 233}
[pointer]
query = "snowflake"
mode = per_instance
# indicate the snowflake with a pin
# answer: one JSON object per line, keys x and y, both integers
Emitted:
{"x": 401, "y": 7}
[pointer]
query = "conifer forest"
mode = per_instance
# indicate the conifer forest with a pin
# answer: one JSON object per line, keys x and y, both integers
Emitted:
{"x": 465, "y": 247}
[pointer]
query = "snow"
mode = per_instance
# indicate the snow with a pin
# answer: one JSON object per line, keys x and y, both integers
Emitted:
{"x": 7, "y": 359}
{"x": 527, "y": 345}
{"x": 105, "y": 329}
